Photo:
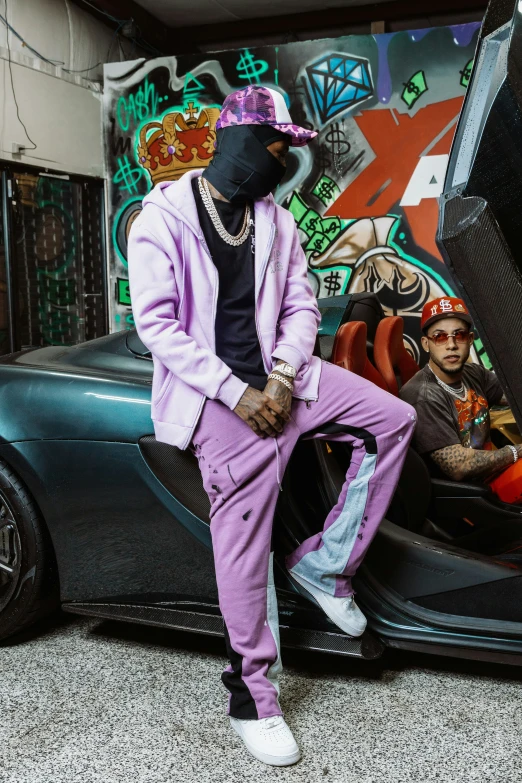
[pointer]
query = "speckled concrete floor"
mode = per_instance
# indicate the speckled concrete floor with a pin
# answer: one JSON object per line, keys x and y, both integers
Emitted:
{"x": 100, "y": 702}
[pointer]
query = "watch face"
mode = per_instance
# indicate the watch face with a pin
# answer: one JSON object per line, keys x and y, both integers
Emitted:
{"x": 289, "y": 370}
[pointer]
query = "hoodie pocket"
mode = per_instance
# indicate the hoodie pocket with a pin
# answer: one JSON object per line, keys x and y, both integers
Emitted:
{"x": 163, "y": 389}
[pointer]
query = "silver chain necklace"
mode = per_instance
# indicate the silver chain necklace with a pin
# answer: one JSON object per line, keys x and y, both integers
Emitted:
{"x": 208, "y": 201}
{"x": 460, "y": 393}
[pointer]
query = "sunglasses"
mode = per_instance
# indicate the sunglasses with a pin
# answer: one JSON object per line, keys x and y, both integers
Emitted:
{"x": 460, "y": 336}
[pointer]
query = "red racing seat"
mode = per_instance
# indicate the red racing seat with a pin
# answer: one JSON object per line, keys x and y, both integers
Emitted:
{"x": 392, "y": 359}
{"x": 349, "y": 351}
{"x": 349, "y": 348}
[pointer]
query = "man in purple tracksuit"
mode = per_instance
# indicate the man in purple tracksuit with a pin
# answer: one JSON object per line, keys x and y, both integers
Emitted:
{"x": 221, "y": 298}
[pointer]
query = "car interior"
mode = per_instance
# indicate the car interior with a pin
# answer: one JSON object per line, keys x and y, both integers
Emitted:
{"x": 466, "y": 514}
{"x": 448, "y": 553}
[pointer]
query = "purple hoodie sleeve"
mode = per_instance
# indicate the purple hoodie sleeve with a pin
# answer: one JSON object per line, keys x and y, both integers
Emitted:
{"x": 155, "y": 300}
{"x": 299, "y": 317}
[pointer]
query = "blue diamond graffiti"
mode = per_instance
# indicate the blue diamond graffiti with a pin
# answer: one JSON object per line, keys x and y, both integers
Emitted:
{"x": 338, "y": 83}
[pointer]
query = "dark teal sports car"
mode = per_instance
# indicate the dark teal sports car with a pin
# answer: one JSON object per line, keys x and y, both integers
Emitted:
{"x": 101, "y": 518}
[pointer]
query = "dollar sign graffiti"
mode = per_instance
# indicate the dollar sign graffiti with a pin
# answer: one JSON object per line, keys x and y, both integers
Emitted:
{"x": 465, "y": 74}
{"x": 323, "y": 158}
{"x": 412, "y": 87}
{"x": 331, "y": 283}
{"x": 326, "y": 190}
{"x": 336, "y": 140}
{"x": 331, "y": 229}
{"x": 252, "y": 68}
{"x": 310, "y": 225}
{"x": 129, "y": 176}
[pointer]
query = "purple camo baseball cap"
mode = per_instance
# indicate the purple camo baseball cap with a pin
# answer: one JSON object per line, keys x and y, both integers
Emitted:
{"x": 255, "y": 105}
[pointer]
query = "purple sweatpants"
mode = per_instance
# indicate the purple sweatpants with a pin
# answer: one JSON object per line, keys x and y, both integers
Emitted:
{"x": 240, "y": 474}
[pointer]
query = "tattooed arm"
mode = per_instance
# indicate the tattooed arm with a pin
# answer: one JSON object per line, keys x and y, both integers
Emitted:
{"x": 462, "y": 464}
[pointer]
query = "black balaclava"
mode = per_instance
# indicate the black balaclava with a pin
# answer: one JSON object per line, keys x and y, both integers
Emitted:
{"x": 242, "y": 168}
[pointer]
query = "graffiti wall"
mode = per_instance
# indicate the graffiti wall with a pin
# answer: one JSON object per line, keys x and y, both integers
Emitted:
{"x": 363, "y": 194}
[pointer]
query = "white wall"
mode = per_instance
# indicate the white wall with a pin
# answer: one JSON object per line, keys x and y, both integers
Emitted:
{"x": 62, "y": 111}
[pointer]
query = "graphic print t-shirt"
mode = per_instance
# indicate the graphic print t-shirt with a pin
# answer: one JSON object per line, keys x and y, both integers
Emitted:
{"x": 444, "y": 420}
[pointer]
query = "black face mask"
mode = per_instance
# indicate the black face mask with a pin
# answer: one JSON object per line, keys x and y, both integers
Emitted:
{"x": 242, "y": 168}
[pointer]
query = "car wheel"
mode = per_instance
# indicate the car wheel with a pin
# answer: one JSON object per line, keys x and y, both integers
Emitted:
{"x": 28, "y": 578}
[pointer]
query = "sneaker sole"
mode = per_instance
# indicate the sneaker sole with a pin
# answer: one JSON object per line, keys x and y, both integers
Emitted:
{"x": 309, "y": 591}
{"x": 267, "y": 758}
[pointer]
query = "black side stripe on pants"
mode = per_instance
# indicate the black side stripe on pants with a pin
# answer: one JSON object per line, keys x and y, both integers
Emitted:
{"x": 242, "y": 705}
{"x": 331, "y": 428}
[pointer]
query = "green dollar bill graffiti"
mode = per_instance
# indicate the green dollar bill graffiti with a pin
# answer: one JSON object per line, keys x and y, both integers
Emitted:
{"x": 321, "y": 232}
{"x": 123, "y": 292}
{"x": 414, "y": 88}
{"x": 326, "y": 190}
{"x": 465, "y": 74}
{"x": 332, "y": 281}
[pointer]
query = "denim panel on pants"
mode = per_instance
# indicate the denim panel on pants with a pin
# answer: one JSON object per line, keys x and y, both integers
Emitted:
{"x": 240, "y": 474}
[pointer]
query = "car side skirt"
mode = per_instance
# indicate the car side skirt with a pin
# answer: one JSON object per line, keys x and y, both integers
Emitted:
{"x": 206, "y": 620}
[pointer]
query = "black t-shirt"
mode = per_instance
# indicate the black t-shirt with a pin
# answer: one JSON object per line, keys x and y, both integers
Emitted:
{"x": 237, "y": 343}
{"x": 443, "y": 419}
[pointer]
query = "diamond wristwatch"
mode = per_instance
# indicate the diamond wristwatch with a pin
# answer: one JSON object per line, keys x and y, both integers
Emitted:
{"x": 285, "y": 369}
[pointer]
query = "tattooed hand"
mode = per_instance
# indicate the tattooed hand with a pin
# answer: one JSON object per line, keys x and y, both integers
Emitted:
{"x": 280, "y": 393}
{"x": 462, "y": 464}
{"x": 263, "y": 414}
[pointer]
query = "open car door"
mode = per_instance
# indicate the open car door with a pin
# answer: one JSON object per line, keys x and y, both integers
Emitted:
{"x": 480, "y": 222}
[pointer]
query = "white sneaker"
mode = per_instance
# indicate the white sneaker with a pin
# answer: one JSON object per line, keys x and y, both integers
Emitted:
{"x": 344, "y": 612}
{"x": 269, "y": 740}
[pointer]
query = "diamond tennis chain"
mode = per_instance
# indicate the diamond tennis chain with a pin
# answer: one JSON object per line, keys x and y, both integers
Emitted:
{"x": 460, "y": 393}
{"x": 208, "y": 201}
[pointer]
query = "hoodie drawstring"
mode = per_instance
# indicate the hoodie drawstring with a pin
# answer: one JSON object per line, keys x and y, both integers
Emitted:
{"x": 278, "y": 477}
{"x": 182, "y": 293}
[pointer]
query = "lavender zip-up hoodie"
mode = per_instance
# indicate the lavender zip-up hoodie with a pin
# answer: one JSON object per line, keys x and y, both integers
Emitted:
{"x": 174, "y": 290}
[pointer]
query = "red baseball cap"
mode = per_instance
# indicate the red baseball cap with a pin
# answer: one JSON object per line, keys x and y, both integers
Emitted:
{"x": 445, "y": 307}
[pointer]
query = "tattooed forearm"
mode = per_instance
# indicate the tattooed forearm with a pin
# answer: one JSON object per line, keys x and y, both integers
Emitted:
{"x": 462, "y": 464}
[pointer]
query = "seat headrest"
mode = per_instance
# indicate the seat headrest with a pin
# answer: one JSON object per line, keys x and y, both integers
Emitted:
{"x": 391, "y": 357}
{"x": 349, "y": 349}
{"x": 391, "y": 337}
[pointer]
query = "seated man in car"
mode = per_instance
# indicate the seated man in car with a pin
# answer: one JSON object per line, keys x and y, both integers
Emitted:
{"x": 452, "y": 399}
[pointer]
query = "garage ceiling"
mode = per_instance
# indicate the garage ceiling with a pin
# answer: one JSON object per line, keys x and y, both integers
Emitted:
{"x": 183, "y": 26}
{"x": 186, "y": 13}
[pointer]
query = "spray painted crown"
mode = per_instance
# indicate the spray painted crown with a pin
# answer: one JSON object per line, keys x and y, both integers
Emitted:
{"x": 169, "y": 148}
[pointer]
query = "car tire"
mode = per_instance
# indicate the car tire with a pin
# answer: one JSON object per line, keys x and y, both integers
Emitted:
{"x": 28, "y": 574}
